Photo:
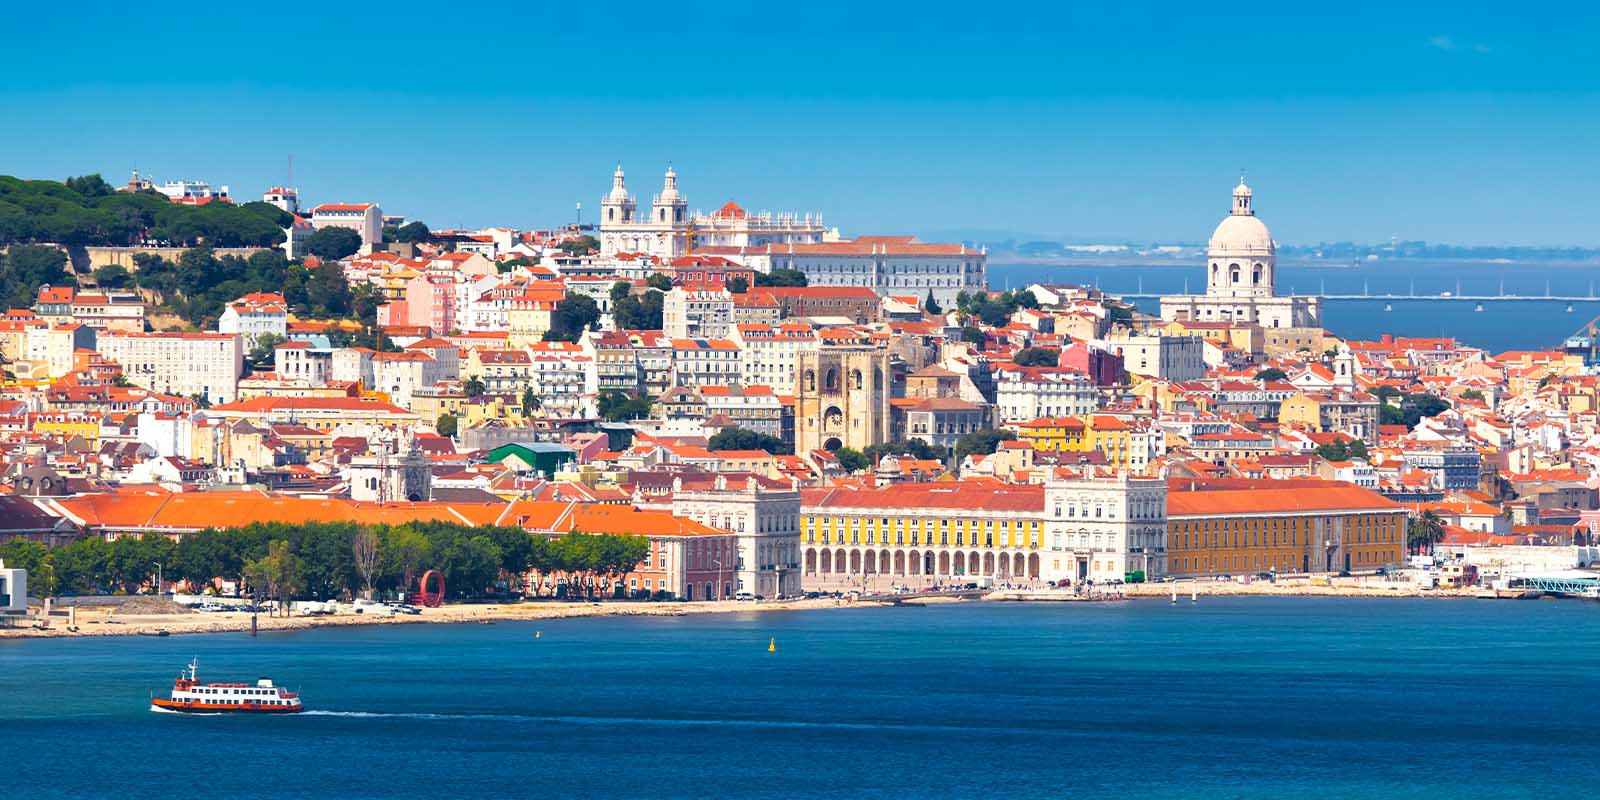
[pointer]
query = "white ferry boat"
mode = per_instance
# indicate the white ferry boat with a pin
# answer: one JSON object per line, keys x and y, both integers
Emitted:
{"x": 189, "y": 696}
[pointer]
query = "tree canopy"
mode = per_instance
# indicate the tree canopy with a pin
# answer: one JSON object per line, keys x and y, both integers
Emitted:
{"x": 24, "y": 268}
{"x": 619, "y": 407}
{"x": 1271, "y": 375}
{"x": 86, "y": 211}
{"x": 575, "y": 314}
{"x": 333, "y": 243}
{"x": 320, "y": 560}
{"x": 982, "y": 442}
{"x": 1344, "y": 448}
{"x": 1037, "y": 357}
{"x": 782, "y": 278}
{"x": 638, "y": 312}
{"x": 742, "y": 439}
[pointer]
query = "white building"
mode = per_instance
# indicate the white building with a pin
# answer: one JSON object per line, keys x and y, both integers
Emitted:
{"x": 669, "y": 230}
{"x": 353, "y": 364}
{"x": 190, "y": 191}
{"x": 363, "y": 218}
{"x": 704, "y": 362}
{"x": 766, "y": 522}
{"x": 768, "y": 353}
{"x": 283, "y": 197}
{"x": 1156, "y": 355}
{"x": 663, "y": 232}
{"x": 255, "y": 315}
{"x": 207, "y": 365}
{"x": 13, "y": 590}
{"x": 299, "y": 361}
{"x": 889, "y": 265}
{"x": 696, "y": 313}
{"x": 400, "y": 375}
{"x": 1242, "y": 264}
{"x": 564, "y": 380}
{"x": 1029, "y": 393}
{"x": 297, "y": 237}
{"x": 1105, "y": 527}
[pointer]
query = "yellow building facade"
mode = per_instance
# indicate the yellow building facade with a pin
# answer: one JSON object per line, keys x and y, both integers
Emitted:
{"x": 1282, "y": 526}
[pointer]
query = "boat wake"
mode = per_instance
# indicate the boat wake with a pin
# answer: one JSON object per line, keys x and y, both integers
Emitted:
{"x": 688, "y": 722}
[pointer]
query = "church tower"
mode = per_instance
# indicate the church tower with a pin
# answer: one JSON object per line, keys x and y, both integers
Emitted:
{"x": 1241, "y": 259}
{"x": 618, "y": 207}
{"x": 670, "y": 208}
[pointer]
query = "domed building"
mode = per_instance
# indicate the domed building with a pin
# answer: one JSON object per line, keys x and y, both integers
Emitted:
{"x": 1241, "y": 265}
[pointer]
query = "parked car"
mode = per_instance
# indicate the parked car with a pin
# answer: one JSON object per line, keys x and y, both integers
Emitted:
{"x": 744, "y": 596}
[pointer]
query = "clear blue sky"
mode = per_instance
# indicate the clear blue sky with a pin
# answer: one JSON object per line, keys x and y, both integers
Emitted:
{"x": 1439, "y": 121}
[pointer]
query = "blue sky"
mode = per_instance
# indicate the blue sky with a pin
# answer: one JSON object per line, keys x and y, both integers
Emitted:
{"x": 1438, "y": 121}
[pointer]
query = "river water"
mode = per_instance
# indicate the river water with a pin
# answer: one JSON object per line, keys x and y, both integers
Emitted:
{"x": 1242, "y": 697}
{"x": 1501, "y": 325}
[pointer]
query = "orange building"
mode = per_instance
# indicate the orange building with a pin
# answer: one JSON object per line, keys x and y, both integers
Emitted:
{"x": 1233, "y": 526}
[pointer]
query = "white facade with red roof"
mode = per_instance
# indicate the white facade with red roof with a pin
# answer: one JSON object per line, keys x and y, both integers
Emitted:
{"x": 363, "y": 218}
{"x": 255, "y": 315}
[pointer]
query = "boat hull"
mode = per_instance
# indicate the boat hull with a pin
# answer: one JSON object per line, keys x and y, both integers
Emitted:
{"x": 170, "y": 707}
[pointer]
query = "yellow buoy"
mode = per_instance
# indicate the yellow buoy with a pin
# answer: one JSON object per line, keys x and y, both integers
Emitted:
{"x": 772, "y": 646}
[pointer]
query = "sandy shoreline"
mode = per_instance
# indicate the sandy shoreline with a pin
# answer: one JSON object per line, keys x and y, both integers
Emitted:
{"x": 108, "y": 621}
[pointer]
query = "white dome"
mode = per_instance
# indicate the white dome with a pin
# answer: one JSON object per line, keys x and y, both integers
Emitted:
{"x": 1241, "y": 233}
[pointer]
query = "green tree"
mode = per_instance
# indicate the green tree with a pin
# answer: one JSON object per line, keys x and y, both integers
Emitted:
{"x": 930, "y": 305}
{"x": 277, "y": 575}
{"x": 365, "y": 552}
{"x": 25, "y": 268}
{"x": 782, "y": 278}
{"x": 1271, "y": 375}
{"x": 575, "y": 314}
{"x": 619, "y": 407}
{"x": 851, "y": 460}
{"x": 113, "y": 276}
{"x": 333, "y": 243}
{"x": 981, "y": 442}
{"x": 445, "y": 425}
{"x": 1343, "y": 449}
{"x": 639, "y": 312}
{"x": 90, "y": 185}
{"x": 1037, "y": 357}
{"x": 659, "y": 281}
{"x": 261, "y": 357}
{"x": 413, "y": 233}
{"x": 738, "y": 284}
{"x": 1424, "y": 531}
{"x": 1471, "y": 394}
{"x": 973, "y": 335}
{"x": 473, "y": 386}
{"x": 742, "y": 439}
{"x": 529, "y": 402}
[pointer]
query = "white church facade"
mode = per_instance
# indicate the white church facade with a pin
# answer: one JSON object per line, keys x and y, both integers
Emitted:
{"x": 668, "y": 230}
{"x": 1241, "y": 265}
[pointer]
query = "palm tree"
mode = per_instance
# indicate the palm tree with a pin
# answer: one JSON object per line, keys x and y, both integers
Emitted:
{"x": 1424, "y": 531}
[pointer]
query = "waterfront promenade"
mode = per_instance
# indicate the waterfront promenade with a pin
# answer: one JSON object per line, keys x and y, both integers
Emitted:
{"x": 149, "y": 619}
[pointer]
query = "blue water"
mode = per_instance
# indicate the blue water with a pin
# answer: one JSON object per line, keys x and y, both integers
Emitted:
{"x": 1502, "y": 325}
{"x": 1249, "y": 697}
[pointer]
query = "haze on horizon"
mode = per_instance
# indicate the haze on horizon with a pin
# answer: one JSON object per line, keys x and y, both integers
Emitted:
{"x": 1439, "y": 121}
